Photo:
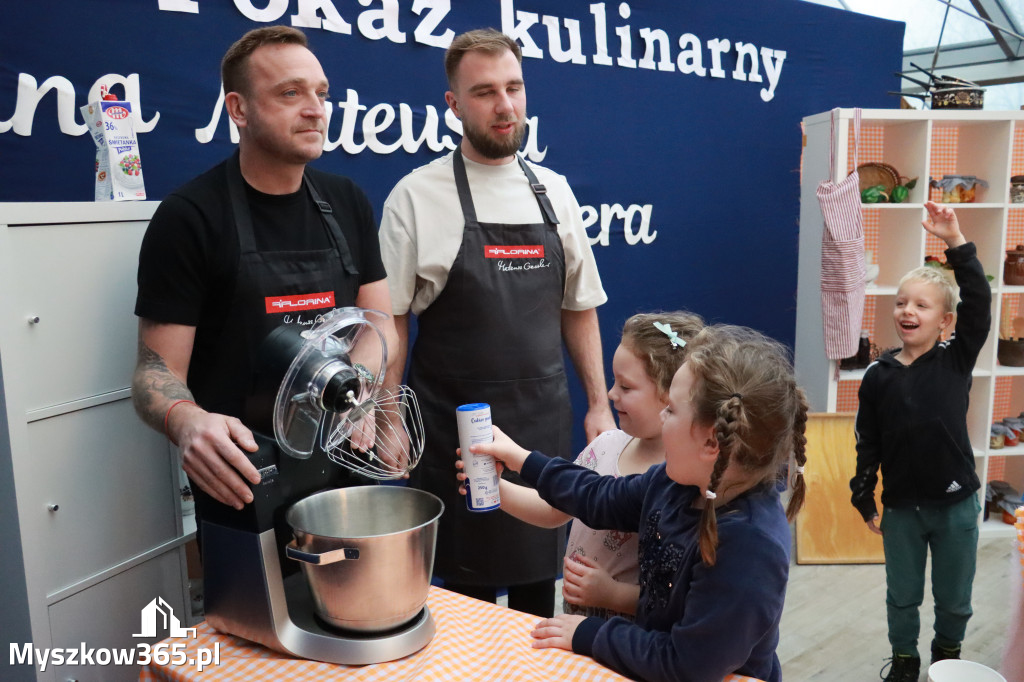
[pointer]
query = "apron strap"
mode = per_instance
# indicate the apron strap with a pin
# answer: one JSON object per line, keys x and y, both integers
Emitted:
{"x": 832, "y": 142}
{"x": 466, "y": 198}
{"x": 240, "y": 206}
{"x": 327, "y": 213}
{"x": 462, "y": 185}
{"x": 539, "y": 191}
{"x": 243, "y": 218}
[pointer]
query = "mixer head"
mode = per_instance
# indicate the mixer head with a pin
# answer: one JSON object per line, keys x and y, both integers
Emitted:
{"x": 332, "y": 398}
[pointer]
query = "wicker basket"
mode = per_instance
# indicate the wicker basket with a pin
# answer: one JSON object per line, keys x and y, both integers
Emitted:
{"x": 872, "y": 174}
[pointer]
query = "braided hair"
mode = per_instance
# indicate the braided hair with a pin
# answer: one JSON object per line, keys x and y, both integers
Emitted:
{"x": 745, "y": 388}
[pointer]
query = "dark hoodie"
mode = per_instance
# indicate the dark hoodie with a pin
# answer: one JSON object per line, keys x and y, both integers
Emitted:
{"x": 912, "y": 418}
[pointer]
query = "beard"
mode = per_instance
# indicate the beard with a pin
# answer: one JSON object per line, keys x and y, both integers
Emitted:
{"x": 491, "y": 148}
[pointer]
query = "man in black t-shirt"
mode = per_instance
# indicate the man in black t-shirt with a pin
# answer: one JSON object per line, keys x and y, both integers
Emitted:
{"x": 258, "y": 241}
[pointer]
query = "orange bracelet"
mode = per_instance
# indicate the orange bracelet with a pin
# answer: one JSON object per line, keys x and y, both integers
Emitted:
{"x": 168, "y": 415}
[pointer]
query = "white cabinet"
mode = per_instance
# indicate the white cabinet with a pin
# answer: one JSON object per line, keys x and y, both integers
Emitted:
{"x": 74, "y": 620}
{"x": 920, "y": 144}
{"x": 91, "y": 527}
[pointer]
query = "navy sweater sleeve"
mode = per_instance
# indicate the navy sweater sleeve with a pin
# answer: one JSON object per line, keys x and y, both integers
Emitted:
{"x": 586, "y": 633}
{"x": 601, "y": 502}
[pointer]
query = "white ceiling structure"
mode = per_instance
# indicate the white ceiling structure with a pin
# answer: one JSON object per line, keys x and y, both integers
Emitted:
{"x": 977, "y": 40}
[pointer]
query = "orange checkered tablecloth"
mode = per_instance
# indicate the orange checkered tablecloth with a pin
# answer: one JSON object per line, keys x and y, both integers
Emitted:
{"x": 474, "y": 641}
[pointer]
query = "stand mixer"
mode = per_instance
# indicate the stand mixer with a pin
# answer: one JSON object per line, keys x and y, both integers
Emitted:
{"x": 316, "y": 395}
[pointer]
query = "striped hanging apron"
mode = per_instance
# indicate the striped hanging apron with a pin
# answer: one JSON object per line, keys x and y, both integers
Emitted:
{"x": 842, "y": 254}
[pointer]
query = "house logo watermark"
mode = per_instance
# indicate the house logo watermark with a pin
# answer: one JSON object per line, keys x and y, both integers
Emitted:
{"x": 158, "y": 616}
{"x": 157, "y": 619}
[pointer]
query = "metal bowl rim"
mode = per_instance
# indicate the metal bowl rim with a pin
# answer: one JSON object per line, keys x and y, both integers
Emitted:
{"x": 296, "y": 529}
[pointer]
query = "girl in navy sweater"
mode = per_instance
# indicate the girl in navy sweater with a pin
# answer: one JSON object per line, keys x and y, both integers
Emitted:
{"x": 714, "y": 539}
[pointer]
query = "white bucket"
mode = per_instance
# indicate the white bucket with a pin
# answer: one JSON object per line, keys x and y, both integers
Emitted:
{"x": 956, "y": 670}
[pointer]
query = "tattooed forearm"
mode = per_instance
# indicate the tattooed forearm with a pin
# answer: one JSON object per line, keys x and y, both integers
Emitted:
{"x": 155, "y": 387}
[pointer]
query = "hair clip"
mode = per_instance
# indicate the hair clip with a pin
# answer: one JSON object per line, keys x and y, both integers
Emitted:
{"x": 665, "y": 329}
{"x": 710, "y": 495}
{"x": 799, "y": 470}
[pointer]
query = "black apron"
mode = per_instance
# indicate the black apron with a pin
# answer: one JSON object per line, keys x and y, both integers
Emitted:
{"x": 228, "y": 364}
{"x": 264, "y": 278}
{"x": 494, "y": 335}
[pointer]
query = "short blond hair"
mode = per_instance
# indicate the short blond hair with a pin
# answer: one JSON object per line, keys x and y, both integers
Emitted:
{"x": 932, "y": 275}
{"x": 487, "y": 41}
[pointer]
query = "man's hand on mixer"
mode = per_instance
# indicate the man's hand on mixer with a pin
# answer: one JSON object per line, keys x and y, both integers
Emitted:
{"x": 212, "y": 453}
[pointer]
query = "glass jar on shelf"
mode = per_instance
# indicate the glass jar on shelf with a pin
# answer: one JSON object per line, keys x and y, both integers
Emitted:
{"x": 958, "y": 189}
{"x": 1013, "y": 267}
{"x": 1017, "y": 189}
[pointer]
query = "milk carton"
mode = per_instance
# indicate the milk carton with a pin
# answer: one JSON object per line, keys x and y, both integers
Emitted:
{"x": 118, "y": 166}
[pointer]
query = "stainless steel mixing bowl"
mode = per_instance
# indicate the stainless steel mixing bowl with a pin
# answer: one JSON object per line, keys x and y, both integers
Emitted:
{"x": 367, "y": 553}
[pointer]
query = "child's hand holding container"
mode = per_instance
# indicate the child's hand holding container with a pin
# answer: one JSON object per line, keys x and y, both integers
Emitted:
{"x": 482, "y": 478}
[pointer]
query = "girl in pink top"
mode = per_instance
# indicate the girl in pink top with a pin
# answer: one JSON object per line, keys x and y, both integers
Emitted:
{"x": 600, "y": 572}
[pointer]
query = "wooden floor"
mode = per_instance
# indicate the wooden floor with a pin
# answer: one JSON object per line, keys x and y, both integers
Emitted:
{"x": 834, "y": 627}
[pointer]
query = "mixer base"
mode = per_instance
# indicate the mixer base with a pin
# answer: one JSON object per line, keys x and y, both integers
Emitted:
{"x": 357, "y": 647}
{"x": 247, "y": 597}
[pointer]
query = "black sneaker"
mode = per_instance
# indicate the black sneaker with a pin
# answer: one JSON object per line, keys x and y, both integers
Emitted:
{"x": 943, "y": 653}
{"x": 904, "y": 668}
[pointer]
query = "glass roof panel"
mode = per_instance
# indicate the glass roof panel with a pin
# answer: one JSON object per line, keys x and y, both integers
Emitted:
{"x": 1016, "y": 10}
{"x": 924, "y": 19}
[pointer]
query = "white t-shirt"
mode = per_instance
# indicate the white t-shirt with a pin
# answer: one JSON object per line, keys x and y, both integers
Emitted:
{"x": 422, "y": 224}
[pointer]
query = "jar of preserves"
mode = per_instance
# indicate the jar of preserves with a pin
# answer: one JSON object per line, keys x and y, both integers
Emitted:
{"x": 958, "y": 189}
{"x": 1013, "y": 268}
{"x": 1017, "y": 189}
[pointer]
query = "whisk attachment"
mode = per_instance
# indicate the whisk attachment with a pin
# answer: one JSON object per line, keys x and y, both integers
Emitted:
{"x": 392, "y": 421}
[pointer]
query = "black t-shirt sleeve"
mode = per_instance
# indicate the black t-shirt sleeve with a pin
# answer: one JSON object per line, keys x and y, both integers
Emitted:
{"x": 172, "y": 275}
{"x": 373, "y": 267}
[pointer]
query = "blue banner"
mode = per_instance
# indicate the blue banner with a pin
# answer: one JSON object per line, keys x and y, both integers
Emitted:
{"x": 676, "y": 123}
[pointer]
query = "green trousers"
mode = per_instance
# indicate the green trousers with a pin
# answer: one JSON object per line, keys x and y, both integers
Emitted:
{"x": 907, "y": 534}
